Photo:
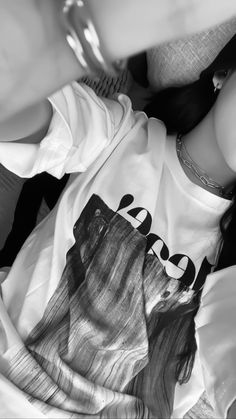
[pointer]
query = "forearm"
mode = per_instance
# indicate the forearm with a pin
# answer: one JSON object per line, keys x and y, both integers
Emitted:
{"x": 29, "y": 125}
{"x": 35, "y": 59}
{"x": 139, "y": 25}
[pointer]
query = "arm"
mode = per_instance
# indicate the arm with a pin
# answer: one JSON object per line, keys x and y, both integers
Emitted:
{"x": 81, "y": 127}
{"x": 33, "y": 50}
{"x": 29, "y": 125}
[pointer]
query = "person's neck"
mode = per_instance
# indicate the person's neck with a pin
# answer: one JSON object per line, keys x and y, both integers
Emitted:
{"x": 202, "y": 147}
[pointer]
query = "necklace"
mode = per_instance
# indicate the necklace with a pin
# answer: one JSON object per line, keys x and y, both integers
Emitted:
{"x": 197, "y": 171}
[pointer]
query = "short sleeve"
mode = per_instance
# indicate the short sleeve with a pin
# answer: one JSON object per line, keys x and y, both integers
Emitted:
{"x": 82, "y": 126}
{"x": 216, "y": 339}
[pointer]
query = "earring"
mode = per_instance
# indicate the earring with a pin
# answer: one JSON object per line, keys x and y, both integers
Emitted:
{"x": 219, "y": 79}
{"x": 217, "y": 87}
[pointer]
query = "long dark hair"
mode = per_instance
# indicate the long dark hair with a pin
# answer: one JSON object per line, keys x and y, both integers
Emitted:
{"x": 181, "y": 109}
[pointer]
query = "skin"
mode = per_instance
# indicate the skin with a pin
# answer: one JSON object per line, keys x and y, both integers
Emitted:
{"x": 225, "y": 121}
{"x": 33, "y": 50}
{"x": 212, "y": 144}
{"x": 33, "y": 53}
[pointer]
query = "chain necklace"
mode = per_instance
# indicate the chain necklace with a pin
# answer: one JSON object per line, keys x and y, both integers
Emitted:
{"x": 197, "y": 171}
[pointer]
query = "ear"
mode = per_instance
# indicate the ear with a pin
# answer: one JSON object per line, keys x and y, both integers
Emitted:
{"x": 219, "y": 79}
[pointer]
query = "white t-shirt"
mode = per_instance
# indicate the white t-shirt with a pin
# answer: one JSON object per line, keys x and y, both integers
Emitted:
{"x": 132, "y": 166}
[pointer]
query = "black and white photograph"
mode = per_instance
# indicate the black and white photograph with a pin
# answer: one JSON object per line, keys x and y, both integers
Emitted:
{"x": 118, "y": 209}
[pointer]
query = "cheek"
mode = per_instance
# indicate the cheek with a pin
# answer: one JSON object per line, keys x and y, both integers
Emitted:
{"x": 225, "y": 131}
{"x": 229, "y": 152}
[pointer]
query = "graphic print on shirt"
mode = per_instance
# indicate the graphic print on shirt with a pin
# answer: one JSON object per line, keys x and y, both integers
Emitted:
{"x": 157, "y": 246}
{"x": 94, "y": 350}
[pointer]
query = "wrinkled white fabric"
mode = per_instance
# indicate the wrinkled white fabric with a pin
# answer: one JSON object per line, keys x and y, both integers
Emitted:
{"x": 121, "y": 156}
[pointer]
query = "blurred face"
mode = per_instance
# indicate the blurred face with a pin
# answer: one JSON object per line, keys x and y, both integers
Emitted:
{"x": 224, "y": 120}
